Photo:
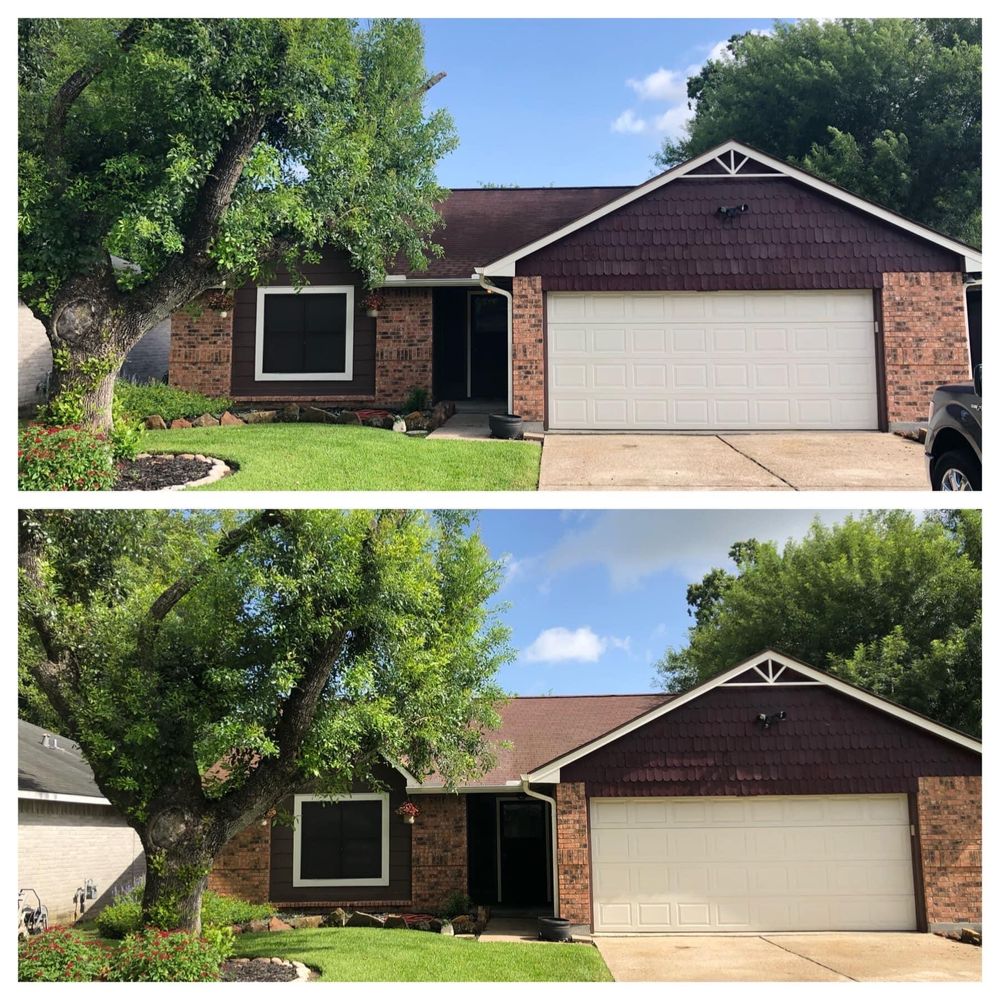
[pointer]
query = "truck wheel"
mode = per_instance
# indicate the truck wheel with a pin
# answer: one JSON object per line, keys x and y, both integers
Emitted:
{"x": 955, "y": 471}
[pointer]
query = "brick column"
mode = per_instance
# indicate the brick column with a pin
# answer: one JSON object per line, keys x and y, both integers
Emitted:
{"x": 244, "y": 867}
{"x": 573, "y": 853}
{"x": 439, "y": 852}
{"x": 949, "y": 812}
{"x": 201, "y": 348}
{"x": 529, "y": 349}
{"x": 404, "y": 344}
{"x": 926, "y": 339}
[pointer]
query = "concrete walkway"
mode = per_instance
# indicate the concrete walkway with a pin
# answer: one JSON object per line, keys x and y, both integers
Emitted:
{"x": 800, "y": 460}
{"x": 841, "y": 957}
{"x": 511, "y": 929}
{"x": 464, "y": 426}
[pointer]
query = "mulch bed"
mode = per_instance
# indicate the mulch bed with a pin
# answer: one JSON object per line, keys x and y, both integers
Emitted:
{"x": 156, "y": 472}
{"x": 256, "y": 972}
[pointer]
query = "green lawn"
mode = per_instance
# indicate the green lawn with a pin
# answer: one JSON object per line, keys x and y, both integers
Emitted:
{"x": 325, "y": 457}
{"x": 361, "y": 954}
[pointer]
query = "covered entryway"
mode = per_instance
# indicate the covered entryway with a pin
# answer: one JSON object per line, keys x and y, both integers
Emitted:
{"x": 712, "y": 360}
{"x": 755, "y": 863}
{"x": 470, "y": 345}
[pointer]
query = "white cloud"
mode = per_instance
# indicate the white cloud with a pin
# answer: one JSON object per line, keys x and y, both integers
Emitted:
{"x": 662, "y": 85}
{"x": 628, "y": 122}
{"x": 581, "y": 645}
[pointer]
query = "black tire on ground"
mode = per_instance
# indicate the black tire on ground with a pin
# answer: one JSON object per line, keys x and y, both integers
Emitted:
{"x": 962, "y": 462}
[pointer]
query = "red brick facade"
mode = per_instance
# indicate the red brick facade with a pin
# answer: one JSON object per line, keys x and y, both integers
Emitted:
{"x": 573, "y": 853}
{"x": 440, "y": 858}
{"x": 529, "y": 348}
{"x": 201, "y": 348}
{"x": 404, "y": 342}
{"x": 244, "y": 867}
{"x": 949, "y": 812}
{"x": 926, "y": 339}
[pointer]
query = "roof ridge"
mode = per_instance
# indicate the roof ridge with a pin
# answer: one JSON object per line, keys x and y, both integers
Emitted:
{"x": 636, "y": 694}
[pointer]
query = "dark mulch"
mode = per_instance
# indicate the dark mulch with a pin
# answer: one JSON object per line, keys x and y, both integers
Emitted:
{"x": 256, "y": 972}
{"x": 158, "y": 471}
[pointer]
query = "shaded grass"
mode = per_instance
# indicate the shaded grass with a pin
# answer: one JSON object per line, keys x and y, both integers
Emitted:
{"x": 330, "y": 457}
{"x": 362, "y": 954}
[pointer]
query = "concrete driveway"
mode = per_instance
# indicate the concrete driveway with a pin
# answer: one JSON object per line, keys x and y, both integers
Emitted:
{"x": 770, "y": 958}
{"x": 778, "y": 460}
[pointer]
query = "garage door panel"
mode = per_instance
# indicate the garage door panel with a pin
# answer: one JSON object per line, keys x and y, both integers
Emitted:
{"x": 717, "y": 360}
{"x": 754, "y": 863}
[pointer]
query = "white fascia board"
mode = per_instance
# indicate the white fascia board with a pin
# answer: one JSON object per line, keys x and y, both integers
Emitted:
{"x": 460, "y": 790}
{"x": 545, "y": 772}
{"x": 401, "y": 281}
{"x": 83, "y": 800}
{"x": 506, "y": 265}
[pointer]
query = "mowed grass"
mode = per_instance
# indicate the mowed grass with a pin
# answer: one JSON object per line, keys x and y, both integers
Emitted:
{"x": 362, "y": 954}
{"x": 330, "y": 457}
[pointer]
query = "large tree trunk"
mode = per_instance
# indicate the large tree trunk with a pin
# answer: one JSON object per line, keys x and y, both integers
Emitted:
{"x": 83, "y": 383}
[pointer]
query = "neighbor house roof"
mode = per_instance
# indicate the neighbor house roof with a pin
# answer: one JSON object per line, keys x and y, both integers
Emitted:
{"x": 50, "y": 766}
{"x": 482, "y": 224}
{"x": 539, "y": 729}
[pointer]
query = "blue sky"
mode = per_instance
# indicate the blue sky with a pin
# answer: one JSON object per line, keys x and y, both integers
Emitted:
{"x": 597, "y": 596}
{"x": 536, "y": 102}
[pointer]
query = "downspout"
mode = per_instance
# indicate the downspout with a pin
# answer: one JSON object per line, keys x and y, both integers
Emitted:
{"x": 525, "y": 787}
{"x": 490, "y": 288}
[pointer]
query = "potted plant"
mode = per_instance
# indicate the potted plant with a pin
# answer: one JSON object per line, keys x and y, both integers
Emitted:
{"x": 372, "y": 303}
{"x": 409, "y": 811}
{"x": 508, "y": 426}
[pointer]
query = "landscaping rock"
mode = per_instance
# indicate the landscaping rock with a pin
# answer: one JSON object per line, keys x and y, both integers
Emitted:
{"x": 306, "y": 921}
{"x": 179, "y": 424}
{"x": 399, "y": 425}
{"x": 258, "y": 925}
{"x": 277, "y": 924}
{"x": 439, "y": 415}
{"x": 262, "y": 416}
{"x": 336, "y": 919}
{"x": 447, "y": 929}
{"x": 290, "y": 413}
{"x": 205, "y": 420}
{"x": 463, "y": 924}
{"x": 315, "y": 415}
{"x": 155, "y": 423}
{"x": 969, "y": 936}
{"x": 394, "y": 923}
{"x": 416, "y": 421}
{"x": 359, "y": 919}
{"x": 347, "y": 417}
{"x": 230, "y": 420}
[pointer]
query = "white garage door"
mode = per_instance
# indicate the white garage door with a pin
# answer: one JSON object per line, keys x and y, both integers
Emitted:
{"x": 711, "y": 360}
{"x": 761, "y": 863}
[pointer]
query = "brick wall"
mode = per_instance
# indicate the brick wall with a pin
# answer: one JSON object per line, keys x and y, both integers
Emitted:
{"x": 201, "y": 349}
{"x": 404, "y": 343}
{"x": 573, "y": 853}
{"x": 949, "y": 812}
{"x": 244, "y": 866}
{"x": 529, "y": 349}
{"x": 440, "y": 850}
{"x": 926, "y": 343}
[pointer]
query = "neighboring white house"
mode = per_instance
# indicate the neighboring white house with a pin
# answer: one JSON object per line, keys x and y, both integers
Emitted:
{"x": 68, "y": 834}
{"x": 147, "y": 360}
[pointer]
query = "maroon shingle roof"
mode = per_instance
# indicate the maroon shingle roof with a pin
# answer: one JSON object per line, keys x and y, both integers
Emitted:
{"x": 541, "y": 729}
{"x": 483, "y": 224}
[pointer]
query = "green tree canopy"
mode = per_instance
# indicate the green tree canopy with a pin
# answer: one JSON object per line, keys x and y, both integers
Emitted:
{"x": 890, "y": 109}
{"x": 203, "y": 152}
{"x": 887, "y": 601}
{"x": 294, "y": 646}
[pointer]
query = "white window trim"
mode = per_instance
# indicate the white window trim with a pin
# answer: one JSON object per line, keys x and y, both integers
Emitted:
{"x": 346, "y": 375}
{"x": 382, "y": 797}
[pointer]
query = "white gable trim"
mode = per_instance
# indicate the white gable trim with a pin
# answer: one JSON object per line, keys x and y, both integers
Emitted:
{"x": 546, "y": 771}
{"x": 505, "y": 266}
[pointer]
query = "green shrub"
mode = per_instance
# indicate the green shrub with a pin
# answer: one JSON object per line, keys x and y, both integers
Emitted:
{"x": 122, "y": 917}
{"x": 155, "y": 956}
{"x": 455, "y": 905}
{"x": 224, "y": 911}
{"x": 64, "y": 458}
{"x": 141, "y": 400}
{"x": 417, "y": 399}
{"x": 60, "y": 955}
{"x": 126, "y": 432}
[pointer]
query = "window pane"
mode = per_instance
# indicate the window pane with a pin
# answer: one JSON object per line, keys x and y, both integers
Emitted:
{"x": 341, "y": 840}
{"x": 305, "y": 333}
{"x": 361, "y": 832}
{"x": 320, "y": 838}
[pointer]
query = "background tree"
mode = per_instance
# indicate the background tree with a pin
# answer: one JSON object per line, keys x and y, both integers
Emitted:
{"x": 294, "y": 646}
{"x": 203, "y": 152}
{"x": 885, "y": 601}
{"x": 890, "y": 109}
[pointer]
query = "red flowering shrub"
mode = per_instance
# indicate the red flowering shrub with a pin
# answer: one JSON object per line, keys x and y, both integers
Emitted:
{"x": 155, "y": 956}
{"x": 64, "y": 458}
{"x": 60, "y": 955}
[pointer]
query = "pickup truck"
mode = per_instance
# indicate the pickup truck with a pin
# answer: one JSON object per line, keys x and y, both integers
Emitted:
{"x": 953, "y": 447}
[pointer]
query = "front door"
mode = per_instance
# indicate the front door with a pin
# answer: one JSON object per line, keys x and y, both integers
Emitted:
{"x": 523, "y": 850}
{"x": 487, "y": 346}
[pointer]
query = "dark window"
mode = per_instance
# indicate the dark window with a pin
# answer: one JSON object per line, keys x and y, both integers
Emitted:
{"x": 341, "y": 840}
{"x": 305, "y": 333}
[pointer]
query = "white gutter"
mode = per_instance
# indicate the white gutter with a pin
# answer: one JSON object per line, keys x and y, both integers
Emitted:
{"x": 525, "y": 787}
{"x": 491, "y": 288}
{"x": 87, "y": 800}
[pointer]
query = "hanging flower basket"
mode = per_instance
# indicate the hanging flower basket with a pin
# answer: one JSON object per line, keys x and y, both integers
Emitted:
{"x": 372, "y": 303}
{"x": 220, "y": 300}
{"x": 409, "y": 811}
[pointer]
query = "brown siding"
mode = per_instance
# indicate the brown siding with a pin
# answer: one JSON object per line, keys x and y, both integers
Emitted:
{"x": 334, "y": 270}
{"x": 829, "y": 744}
{"x": 398, "y": 889}
{"x": 674, "y": 239}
